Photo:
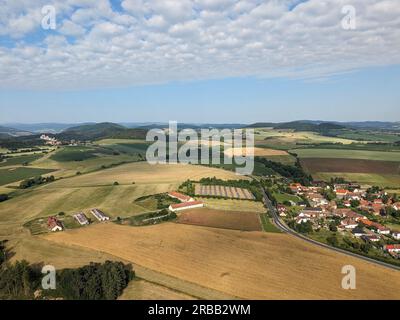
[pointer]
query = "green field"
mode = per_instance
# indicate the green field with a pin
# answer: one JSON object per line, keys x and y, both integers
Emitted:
{"x": 20, "y": 160}
{"x": 67, "y": 154}
{"x": 290, "y": 160}
{"x": 370, "y": 136}
{"x": 267, "y": 225}
{"x": 347, "y": 154}
{"x": 282, "y": 197}
{"x": 16, "y": 174}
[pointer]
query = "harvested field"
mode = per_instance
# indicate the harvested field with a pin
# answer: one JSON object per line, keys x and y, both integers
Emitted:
{"x": 143, "y": 290}
{"x": 313, "y": 165}
{"x": 242, "y": 221}
{"x": 233, "y": 205}
{"x": 142, "y": 172}
{"x": 223, "y": 192}
{"x": 249, "y": 265}
{"x": 258, "y": 152}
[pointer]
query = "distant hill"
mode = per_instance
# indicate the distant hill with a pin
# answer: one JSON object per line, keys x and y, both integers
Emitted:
{"x": 307, "y": 126}
{"x": 262, "y": 125}
{"x": 42, "y": 127}
{"x": 100, "y": 131}
{"x": 6, "y": 131}
{"x": 314, "y": 125}
{"x": 302, "y": 125}
{"x": 378, "y": 125}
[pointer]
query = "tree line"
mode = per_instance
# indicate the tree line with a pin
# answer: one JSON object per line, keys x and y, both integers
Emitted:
{"x": 295, "y": 173}
{"x": 28, "y": 183}
{"x": 22, "y": 281}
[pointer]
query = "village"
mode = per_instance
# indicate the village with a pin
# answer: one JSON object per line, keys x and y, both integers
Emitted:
{"x": 364, "y": 217}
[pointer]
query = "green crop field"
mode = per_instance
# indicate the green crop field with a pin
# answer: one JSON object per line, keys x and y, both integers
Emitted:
{"x": 67, "y": 154}
{"x": 130, "y": 148}
{"x": 347, "y": 154}
{"x": 20, "y": 160}
{"x": 282, "y": 197}
{"x": 370, "y": 136}
{"x": 282, "y": 159}
{"x": 16, "y": 174}
{"x": 267, "y": 225}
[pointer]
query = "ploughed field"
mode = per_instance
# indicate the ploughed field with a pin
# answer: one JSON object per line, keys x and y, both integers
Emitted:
{"x": 381, "y": 168}
{"x": 243, "y": 221}
{"x": 249, "y": 265}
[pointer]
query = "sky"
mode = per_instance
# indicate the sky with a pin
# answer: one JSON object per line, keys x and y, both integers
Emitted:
{"x": 211, "y": 61}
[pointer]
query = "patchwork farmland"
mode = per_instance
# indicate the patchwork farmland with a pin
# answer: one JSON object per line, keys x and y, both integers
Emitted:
{"x": 223, "y": 192}
{"x": 234, "y": 220}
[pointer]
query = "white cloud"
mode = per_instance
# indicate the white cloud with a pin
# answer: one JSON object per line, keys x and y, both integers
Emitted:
{"x": 70, "y": 28}
{"x": 154, "y": 41}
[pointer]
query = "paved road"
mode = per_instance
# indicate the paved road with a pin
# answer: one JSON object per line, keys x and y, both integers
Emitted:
{"x": 283, "y": 227}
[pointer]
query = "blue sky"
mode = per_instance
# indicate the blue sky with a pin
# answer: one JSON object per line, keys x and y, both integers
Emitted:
{"x": 372, "y": 94}
{"x": 199, "y": 61}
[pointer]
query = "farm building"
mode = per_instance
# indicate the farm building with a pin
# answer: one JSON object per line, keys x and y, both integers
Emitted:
{"x": 99, "y": 215}
{"x": 81, "y": 218}
{"x": 186, "y": 206}
{"x": 181, "y": 197}
{"x": 54, "y": 225}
